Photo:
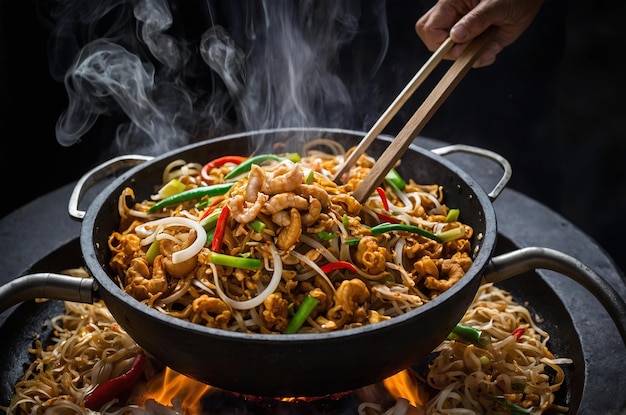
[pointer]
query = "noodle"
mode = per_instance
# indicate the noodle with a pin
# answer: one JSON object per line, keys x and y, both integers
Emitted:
{"x": 90, "y": 348}
{"x": 512, "y": 366}
{"x": 309, "y": 224}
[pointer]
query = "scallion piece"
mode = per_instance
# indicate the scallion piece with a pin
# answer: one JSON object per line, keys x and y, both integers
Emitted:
{"x": 153, "y": 251}
{"x": 246, "y": 165}
{"x": 326, "y": 236}
{"x": 451, "y": 234}
{"x": 301, "y": 315}
{"x": 210, "y": 221}
{"x": 235, "y": 261}
{"x": 257, "y": 225}
{"x": 389, "y": 227}
{"x": 515, "y": 409}
{"x": 394, "y": 179}
{"x": 310, "y": 177}
{"x": 453, "y": 215}
{"x": 470, "y": 334}
{"x": 191, "y": 194}
{"x": 352, "y": 241}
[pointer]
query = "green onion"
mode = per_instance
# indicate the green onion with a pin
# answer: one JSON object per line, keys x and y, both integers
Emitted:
{"x": 210, "y": 221}
{"x": 257, "y": 225}
{"x": 470, "y": 334}
{"x": 453, "y": 215}
{"x": 310, "y": 177}
{"x": 326, "y": 236}
{"x": 195, "y": 193}
{"x": 153, "y": 251}
{"x": 389, "y": 227}
{"x": 203, "y": 203}
{"x": 345, "y": 220}
{"x": 246, "y": 165}
{"x": 301, "y": 315}
{"x": 235, "y": 261}
{"x": 352, "y": 241}
{"x": 515, "y": 409}
{"x": 209, "y": 236}
{"x": 171, "y": 188}
{"x": 394, "y": 179}
{"x": 451, "y": 234}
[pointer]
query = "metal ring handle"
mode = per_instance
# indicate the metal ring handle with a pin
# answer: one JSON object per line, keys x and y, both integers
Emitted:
{"x": 96, "y": 174}
{"x": 477, "y": 151}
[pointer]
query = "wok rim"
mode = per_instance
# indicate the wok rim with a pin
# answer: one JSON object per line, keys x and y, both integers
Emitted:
{"x": 104, "y": 281}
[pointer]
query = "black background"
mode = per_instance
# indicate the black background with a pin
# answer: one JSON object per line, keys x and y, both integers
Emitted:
{"x": 552, "y": 104}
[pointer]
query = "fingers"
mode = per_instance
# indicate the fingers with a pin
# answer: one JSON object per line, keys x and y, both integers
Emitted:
{"x": 464, "y": 20}
{"x": 434, "y": 26}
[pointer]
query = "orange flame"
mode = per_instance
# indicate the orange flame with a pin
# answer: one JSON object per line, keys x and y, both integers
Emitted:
{"x": 171, "y": 385}
{"x": 404, "y": 385}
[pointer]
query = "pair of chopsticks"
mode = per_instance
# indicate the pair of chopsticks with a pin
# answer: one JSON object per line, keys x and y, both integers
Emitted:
{"x": 416, "y": 123}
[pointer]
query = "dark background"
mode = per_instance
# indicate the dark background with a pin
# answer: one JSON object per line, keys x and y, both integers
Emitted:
{"x": 552, "y": 104}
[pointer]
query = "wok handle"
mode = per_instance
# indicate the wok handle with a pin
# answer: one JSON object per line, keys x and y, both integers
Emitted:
{"x": 47, "y": 285}
{"x": 477, "y": 151}
{"x": 96, "y": 174}
{"x": 527, "y": 259}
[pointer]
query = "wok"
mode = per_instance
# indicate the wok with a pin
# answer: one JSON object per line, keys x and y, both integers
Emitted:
{"x": 308, "y": 365}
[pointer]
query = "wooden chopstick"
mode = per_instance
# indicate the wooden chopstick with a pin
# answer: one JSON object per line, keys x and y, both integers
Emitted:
{"x": 416, "y": 123}
{"x": 395, "y": 106}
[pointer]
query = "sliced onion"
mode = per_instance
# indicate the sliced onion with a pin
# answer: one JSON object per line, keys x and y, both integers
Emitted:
{"x": 258, "y": 300}
{"x": 159, "y": 224}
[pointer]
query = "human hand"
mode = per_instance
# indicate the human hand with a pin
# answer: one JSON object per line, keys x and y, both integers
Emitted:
{"x": 463, "y": 20}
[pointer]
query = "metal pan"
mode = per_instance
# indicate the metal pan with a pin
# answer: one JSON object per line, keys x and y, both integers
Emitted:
{"x": 301, "y": 364}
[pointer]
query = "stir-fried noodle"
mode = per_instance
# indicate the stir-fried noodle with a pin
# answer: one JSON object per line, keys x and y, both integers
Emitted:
{"x": 262, "y": 243}
{"x": 245, "y": 256}
{"x": 515, "y": 369}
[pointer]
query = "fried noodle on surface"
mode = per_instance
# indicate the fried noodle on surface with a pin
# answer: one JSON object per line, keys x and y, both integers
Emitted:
{"x": 512, "y": 372}
{"x": 308, "y": 224}
{"x": 515, "y": 367}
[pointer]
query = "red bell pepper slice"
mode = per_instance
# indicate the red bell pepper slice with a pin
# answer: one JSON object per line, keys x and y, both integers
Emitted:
{"x": 220, "y": 229}
{"x": 383, "y": 197}
{"x": 211, "y": 208}
{"x": 518, "y": 332}
{"x": 387, "y": 218}
{"x": 110, "y": 389}
{"x": 331, "y": 266}
{"x": 220, "y": 161}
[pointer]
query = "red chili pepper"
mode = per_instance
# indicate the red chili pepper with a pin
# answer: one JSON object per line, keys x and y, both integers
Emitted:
{"x": 110, "y": 389}
{"x": 220, "y": 161}
{"x": 388, "y": 218}
{"x": 220, "y": 229}
{"x": 331, "y": 266}
{"x": 518, "y": 332}
{"x": 383, "y": 197}
{"x": 212, "y": 206}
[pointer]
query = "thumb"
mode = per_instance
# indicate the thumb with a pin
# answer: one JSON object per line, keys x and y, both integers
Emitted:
{"x": 471, "y": 25}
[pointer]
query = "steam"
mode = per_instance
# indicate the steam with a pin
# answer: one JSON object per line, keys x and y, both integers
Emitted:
{"x": 174, "y": 75}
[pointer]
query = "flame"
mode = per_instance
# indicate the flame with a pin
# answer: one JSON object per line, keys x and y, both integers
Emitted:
{"x": 404, "y": 385}
{"x": 171, "y": 385}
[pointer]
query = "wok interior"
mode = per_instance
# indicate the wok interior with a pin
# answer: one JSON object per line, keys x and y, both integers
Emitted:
{"x": 239, "y": 361}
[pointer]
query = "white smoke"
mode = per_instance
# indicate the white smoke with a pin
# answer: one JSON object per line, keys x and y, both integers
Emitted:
{"x": 174, "y": 76}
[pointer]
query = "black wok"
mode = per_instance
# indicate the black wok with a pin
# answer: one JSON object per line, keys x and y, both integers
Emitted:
{"x": 299, "y": 364}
